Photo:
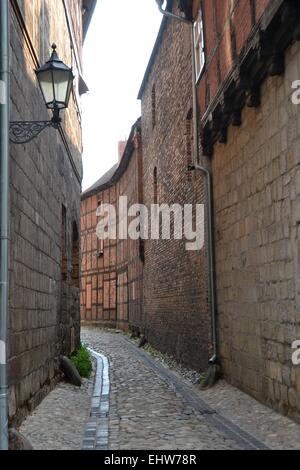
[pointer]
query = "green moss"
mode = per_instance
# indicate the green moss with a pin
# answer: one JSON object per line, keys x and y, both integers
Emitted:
{"x": 202, "y": 380}
{"x": 153, "y": 352}
{"x": 83, "y": 362}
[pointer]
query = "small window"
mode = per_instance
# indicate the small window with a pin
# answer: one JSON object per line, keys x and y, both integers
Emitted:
{"x": 100, "y": 247}
{"x": 75, "y": 257}
{"x": 100, "y": 241}
{"x": 199, "y": 45}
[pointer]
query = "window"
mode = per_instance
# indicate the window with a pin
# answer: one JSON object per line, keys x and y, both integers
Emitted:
{"x": 153, "y": 106}
{"x": 100, "y": 241}
{"x": 199, "y": 45}
{"x": 100, "y": 247}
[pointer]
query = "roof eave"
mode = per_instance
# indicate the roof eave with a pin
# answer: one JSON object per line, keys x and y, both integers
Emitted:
{"x": 121, "y": 168}
{"x": 89, "y": 6}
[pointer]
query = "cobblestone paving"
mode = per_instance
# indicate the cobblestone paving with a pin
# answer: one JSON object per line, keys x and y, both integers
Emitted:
{"x": 148, "y": 413}
{"x": 59, "y": 421}
{"x": 276, "y": 431}
{"x": 145, "y": 412}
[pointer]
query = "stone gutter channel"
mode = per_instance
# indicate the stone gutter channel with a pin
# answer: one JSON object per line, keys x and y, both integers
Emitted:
{"x": 97, "y": 429}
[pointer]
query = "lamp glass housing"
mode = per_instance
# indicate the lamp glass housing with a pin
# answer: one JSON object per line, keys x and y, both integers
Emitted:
{"x": 56, "y": 82}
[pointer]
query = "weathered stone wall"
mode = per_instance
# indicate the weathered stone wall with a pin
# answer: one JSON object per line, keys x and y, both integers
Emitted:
{"x": 255, "y": 180}
{"x": 257, "y": 201}
{"x": 176, "y": 303}
{"x": 111, "y": 290}
{"x": 45, "y": 176}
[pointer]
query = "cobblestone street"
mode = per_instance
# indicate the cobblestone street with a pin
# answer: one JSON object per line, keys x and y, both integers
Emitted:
{"x": 144, "y": 412}
{"x": 59, "y": 421}
{"x": 151, "y": 407}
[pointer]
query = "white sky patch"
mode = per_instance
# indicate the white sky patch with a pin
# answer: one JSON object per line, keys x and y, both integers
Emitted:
{"x": 2, "y": 353}
{"x": 116, "y": 53}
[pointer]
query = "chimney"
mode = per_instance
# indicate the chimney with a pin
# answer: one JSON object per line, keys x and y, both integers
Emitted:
{"x": 121, "y": 148}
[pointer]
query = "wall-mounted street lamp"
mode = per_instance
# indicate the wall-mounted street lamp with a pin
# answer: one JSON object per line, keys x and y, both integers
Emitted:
{"x": 55, "y": 81}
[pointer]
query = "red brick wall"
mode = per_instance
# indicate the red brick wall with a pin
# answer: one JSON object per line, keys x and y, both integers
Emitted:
{"x": 112, "y": 283}
{"x": 228, "y": 25}
{"x": 98, "y": 270}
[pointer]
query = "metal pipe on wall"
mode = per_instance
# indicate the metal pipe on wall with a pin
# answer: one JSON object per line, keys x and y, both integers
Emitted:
{"x": 209, "y": 193}
{"x": 170, "y": 15}
{"x": 4, "y": 216}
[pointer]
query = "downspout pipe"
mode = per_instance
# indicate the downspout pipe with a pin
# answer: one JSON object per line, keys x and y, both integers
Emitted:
{"x": 170, "y": 15}
{"x": 198, "y": 166}
{"x": 4, "y": 216}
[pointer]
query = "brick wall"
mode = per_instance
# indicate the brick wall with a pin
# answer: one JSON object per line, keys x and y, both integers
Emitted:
{"x": 45, "y": 177}
{"x": 257, "y": 197}
{"x": 112, "y": 270}
{"x": 175, "y": 282}
{"x": 98, "y": 264}
{"x": 227, "y": 25}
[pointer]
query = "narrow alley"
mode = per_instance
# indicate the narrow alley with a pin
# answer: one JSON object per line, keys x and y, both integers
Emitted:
{"x": 149, "y": 226}
{"x": 153, "y": 407}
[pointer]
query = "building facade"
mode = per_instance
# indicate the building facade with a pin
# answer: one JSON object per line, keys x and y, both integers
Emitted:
{"x": 249, "y": 58}
{"x": 112, "y": 269}
{"x": 45, "y": 176}
{"x": 176, "y": 302}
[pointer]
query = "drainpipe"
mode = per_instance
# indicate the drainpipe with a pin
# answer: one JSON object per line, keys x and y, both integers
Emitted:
{"x": 4, "y": 216}
{"x": 197, "y": 166}
{"x": 168, "y": 14}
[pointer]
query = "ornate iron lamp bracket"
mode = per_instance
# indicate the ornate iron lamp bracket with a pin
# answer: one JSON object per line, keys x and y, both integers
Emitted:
{"x": 22, "y": 132}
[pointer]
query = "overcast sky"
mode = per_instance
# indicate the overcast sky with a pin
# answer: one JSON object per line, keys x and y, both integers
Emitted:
{"x": 116, "y": 53}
